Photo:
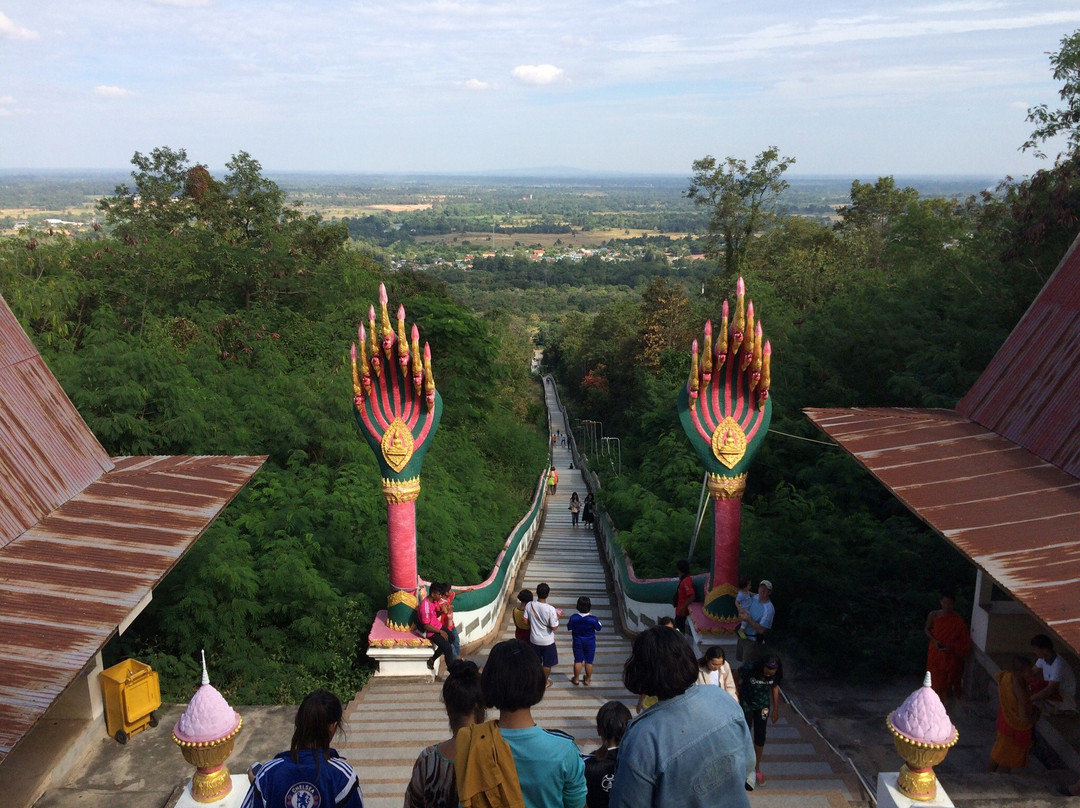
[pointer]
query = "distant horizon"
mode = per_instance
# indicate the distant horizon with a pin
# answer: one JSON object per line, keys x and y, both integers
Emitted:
{"x": 448, "y": 87}
{"x": 557, "y": 172}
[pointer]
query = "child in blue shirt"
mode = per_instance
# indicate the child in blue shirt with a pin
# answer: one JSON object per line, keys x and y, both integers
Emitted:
{"x": 583, "y": 626}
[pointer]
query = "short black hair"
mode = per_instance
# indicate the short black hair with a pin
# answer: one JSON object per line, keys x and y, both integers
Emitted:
{"x": 542, "y": 591}
{"x": 611, "y": 721}
{"x": 667, "y": 620}
{"x": 513, "y": 678}
{"x": 524, "y": 596}
{"x": 1042, "y": 641}
{"x": 683, "y": 566}
{"x": 660, "y": 664}
{"x": 584, "y": 604}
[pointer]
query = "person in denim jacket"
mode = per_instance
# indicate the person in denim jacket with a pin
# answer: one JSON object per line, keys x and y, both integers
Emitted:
{"x": 692, "y": 749}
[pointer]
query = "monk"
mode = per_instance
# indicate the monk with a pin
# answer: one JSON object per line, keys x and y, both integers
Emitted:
{"x": 1015, "y": 719}
{"x": 949, "y": 644}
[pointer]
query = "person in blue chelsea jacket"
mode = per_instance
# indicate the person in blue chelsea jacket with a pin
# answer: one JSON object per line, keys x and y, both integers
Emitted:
{"x": 310, "y": 774}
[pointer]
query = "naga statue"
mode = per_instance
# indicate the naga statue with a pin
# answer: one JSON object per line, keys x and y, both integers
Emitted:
{"x": 725, "y": 411}
{"x": 398, "y": 410}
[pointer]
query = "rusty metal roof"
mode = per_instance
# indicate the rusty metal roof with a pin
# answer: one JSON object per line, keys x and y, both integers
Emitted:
{"x": 83, "y": 538}
{"x": 1030, "y": 391}
{"x": 1010, "y": 511}
{"x": 67, "y": 583}
{"x": 47, "y": 453}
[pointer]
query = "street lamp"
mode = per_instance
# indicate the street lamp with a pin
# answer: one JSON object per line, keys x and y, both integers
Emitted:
{"x": 607, "y": 451}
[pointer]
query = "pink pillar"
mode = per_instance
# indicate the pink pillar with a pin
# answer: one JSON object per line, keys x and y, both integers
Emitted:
{"x": 727, "y": 518}
{"x": 401, "y": 528}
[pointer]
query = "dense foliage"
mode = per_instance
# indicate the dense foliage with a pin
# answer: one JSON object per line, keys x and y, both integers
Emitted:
{"x": 210, "y": 318}
{"x": 902, "y": 303}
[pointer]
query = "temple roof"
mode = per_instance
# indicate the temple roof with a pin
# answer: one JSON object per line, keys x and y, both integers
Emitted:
{"x": 1000, "y": 477}
{"x": 1008, "y": 510}
{"x": 1030, "y": 392}
{"x": 84, "y": 538}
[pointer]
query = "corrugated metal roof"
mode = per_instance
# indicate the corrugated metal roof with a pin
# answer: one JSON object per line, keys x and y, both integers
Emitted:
{"x": 1030, "y": 392}
{"x": 83, "y": 538}
{"x": 1008, "y": 510}
{"x": 69, "y": 581}
{"x": 47, "y": 453}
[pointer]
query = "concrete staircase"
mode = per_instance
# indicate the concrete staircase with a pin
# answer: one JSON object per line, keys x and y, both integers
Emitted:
{"x": 390, "y": 721}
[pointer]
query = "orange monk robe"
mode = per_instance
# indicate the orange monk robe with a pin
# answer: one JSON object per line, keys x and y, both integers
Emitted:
{"x": 1014, "y": 724}
{"x": 946, "y": 667}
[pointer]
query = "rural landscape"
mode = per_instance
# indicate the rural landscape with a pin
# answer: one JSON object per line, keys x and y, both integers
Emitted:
{"x": 187, "y": 313}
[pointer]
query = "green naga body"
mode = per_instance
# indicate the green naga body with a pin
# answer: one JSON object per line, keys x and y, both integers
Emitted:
{"x": 725, "y": 410}
{"x": 398, "y": 410}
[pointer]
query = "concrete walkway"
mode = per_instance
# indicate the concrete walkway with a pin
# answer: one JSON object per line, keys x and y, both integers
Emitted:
{"x": 391, "y": 721}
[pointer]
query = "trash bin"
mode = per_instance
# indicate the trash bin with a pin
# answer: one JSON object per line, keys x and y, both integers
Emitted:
{"x": 132, "y": 695}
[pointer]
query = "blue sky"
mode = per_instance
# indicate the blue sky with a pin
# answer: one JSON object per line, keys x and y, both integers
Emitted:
{"x": 850, "y": 88}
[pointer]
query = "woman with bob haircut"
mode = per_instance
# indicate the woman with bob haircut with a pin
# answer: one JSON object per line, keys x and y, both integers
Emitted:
{"x": 549, "y": 767}
{"x": 310, "y": 773}
{"x": 692, "y": 748}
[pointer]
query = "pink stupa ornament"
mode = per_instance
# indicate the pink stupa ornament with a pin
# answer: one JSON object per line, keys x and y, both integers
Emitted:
{"x": 923, "y": 734}
{"x": 205, "y": 733}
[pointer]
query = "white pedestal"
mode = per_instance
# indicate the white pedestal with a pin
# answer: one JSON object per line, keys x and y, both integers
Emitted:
{"x": 231, "y": 800}
{"x": 402, "y": 661}
{"x": 889, "y": 796}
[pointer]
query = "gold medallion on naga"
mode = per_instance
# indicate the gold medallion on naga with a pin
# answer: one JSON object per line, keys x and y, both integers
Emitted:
{"x": 729, "y": 442}
{"x": 397, "y": 445}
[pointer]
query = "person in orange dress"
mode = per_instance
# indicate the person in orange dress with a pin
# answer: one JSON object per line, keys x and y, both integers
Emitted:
{"x": 1016, "y": 718}
{"x": 950, "y": 642}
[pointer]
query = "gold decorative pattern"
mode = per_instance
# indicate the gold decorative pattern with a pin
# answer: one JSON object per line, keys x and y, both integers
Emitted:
{"x": 396, "y": 626}
{"x": 397, "y": 445}
{"x": 401, "y": 491}
{"x": 720, "y": 591}
{"x": 410, "y": 642}
{"x": 729, "y": 442}
{"x": 402, "y": 596}
{"x": 726, "y": 487}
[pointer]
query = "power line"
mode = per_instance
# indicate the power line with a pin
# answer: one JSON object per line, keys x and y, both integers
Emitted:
{"x": 808, "y": 440}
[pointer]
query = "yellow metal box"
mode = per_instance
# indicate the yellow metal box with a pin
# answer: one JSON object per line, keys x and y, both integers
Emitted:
{"x": 132, "y": 695}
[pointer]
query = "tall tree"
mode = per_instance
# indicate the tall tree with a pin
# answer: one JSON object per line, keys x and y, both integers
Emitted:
{"x": 741, "y": 198}
{"x": 1066, "y": 121}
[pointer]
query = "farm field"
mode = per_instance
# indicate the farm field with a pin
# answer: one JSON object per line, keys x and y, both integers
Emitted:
{"x": 582, "y": 239}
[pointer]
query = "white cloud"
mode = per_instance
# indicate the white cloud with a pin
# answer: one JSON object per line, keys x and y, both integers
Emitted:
{"x": 7, "y": 99}
{"x": 9, "y": 30}
{"x": 476, "y": 84}
{"x": 110, "y": 91}
{"x": 538, "y": 74}
{"x": 183, "y": 3}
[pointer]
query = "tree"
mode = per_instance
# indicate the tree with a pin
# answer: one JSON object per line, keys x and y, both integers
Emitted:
{"x": 1051, "y": 123}
{"x": 665, "y": 318}
{"x": 742, "y": 200}
{"x": 868, "y": 220}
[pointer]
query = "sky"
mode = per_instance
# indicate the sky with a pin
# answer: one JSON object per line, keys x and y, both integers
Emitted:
{"x": 641, "y": 86}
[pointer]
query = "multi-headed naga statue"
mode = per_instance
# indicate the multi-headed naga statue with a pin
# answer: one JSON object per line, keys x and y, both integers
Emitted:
{"x": 725, "y": 410}
{"x": 398, "y": 409}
